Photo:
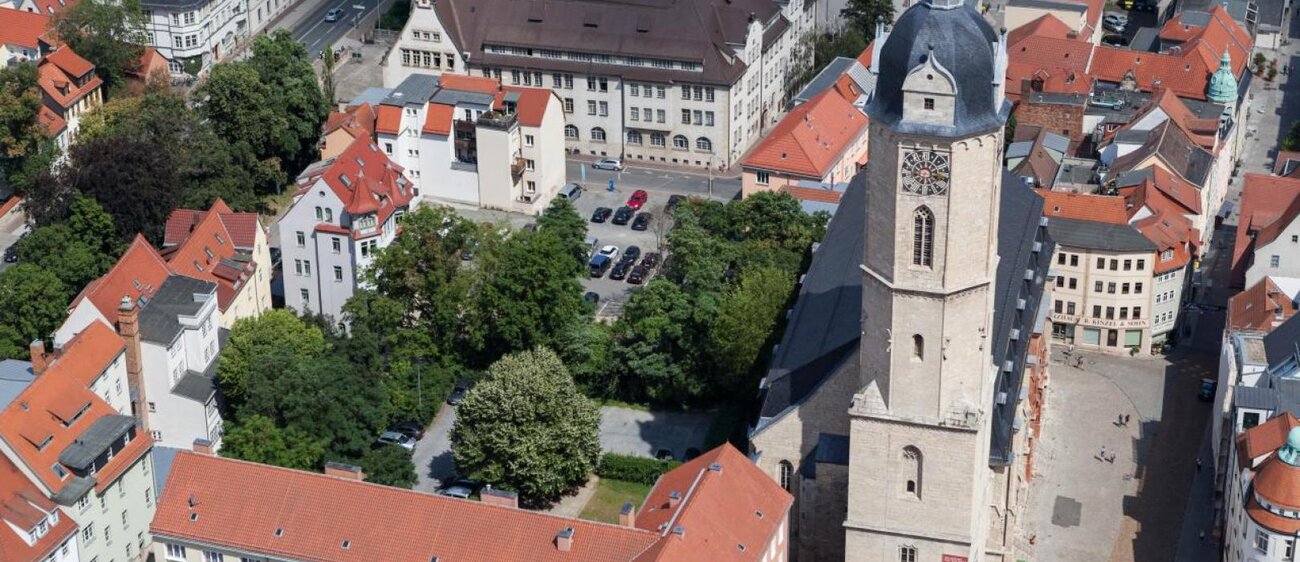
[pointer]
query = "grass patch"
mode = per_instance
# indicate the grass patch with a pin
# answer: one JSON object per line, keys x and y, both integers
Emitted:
{"x": 609, "y": 498}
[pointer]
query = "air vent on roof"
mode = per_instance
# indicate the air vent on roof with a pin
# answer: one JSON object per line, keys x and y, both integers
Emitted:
{"x": 740, "y": 547}
{"x": 192, "y": 501}
{"x": 194, "y": 517}
{"x": 715, "y": 467}
{"x": 758, "y": 514}
{"x": 347, "y": 544}
{"x": 279, "y": 532}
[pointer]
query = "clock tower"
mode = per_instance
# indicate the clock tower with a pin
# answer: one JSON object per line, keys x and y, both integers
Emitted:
{"x": 919, "y": 428}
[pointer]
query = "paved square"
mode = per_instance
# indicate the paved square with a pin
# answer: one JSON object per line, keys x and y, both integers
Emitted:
{"x": 1067, "y": 512}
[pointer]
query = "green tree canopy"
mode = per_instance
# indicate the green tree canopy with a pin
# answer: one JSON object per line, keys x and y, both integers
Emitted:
{"x": 258, "y": 439}
{"x": 254, "y": 340}
{"x": 77, "y": 250}
{"x": 744, "y": 326}
{"x": 1292, "y": 140}
{"x": 862, "y": 15}
{"x": 33, "y": 302}
{"x": 530, "y": 291}
{"x": 660, "y": 341}
{"x": 527, "y": 428}
{"x": 389, "y": 465}
{"x": 106, "y": 33}
{"x": 586, "y": 348}
{"x": 561, "y": 220}
{"x": 325, "y": 397}
{"x": 21, "y": 134}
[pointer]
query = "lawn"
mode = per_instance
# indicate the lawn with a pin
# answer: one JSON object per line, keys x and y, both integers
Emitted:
{"x": 609, "y": 499}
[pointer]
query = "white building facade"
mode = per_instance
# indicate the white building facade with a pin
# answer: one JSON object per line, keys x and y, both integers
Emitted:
{"x": 201, "y": 31}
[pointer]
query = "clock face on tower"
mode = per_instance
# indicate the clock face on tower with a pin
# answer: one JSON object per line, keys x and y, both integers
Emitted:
{"x": 925, "y": 173}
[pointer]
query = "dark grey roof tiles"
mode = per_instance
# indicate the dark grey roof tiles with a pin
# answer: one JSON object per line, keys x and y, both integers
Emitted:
{"x": 95, "y": 440}
{"x": 1283, "y": 342}
{"x": 825, "y": 79}
{"x": 457, "y": 97}
{"x": 416, "y": 88}
{"x": 176, "y": 297}
{"x": 1098, "y": 236}
{"x": 961, "y": 42}
{"x": 1254, "y": 397}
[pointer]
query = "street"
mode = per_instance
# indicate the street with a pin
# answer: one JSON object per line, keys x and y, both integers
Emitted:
{"x": 654, "y": 179}
{"x": 307, "y": 21}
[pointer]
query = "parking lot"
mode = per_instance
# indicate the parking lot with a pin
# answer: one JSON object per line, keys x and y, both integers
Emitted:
{"x": 613, "y": 294}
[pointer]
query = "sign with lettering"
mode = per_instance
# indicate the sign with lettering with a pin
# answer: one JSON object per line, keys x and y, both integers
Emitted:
{"x": 953, "y": 558}
{"x": 1098, "y": 322}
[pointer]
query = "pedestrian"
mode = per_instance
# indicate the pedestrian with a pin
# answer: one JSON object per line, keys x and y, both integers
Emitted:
{"x": 1126, "y": 418}
{"x": 1111, "y": 458}
{"x": 1119, "y": 420}
{"x": 1078, "y": 363}
{"x": 1102, "y": 455}
{"x": 1198, "y": 464}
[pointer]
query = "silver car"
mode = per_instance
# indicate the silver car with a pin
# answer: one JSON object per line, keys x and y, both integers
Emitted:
{"x": 395, "y": 438}
{"x": 612, "y": 164}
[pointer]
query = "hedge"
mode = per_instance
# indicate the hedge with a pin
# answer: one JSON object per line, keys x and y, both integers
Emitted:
{"x": 642, "y": 470}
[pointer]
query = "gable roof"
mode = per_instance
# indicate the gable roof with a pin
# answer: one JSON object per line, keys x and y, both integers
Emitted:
{"x": 242, "y": 227}
{"x": 1045, "y": 55}
{"x": 137, "y": 275}
{"x": 1260, "y": 308}
{"x": 1185, "y": 71}
{"x": 65, "y": 78}
{"x": 811, "y": 139}
{"x": 531, "y": 104}
{"x": 1287, "y": 163}
{"x": 209, "y": 254}
{"x": 357, "y": 121}
{"x": 1268, "y": 205}
{"x": 23, "y": 29}
{"x": 1157, "y": 187}
{"x": 1170, "y": 232}
{"x": 363, "y": 178}
{"x": 388, "y": 119}
{"x": 24, "y": 506}
{"x": 242, "y": 505}
{"x": 1084, "y": 207}
{"x": 1264, "y": 438}
{"x": 1173, "y": 148}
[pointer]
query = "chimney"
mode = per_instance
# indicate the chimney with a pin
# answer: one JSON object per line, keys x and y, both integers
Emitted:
{"x": 348, "y": 471}
{"x": 715, "y": 467}
{"x": 564, "y": 539}
{"x": 674, "y": 498}
{"x": 40, "y": 360}
{"x": 204, "y": 447}
{"x": 499, "y": 497}
{"x": 128, "y": 327}
{"x": 627, "y": 515}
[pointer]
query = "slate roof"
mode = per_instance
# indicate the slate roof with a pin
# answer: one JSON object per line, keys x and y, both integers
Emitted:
{"x": 963, "y": 44}
{"x": 1099, "y": 236}
{"x": 1283, "y": 342}
{"x": 825, "y": 79}
{"x": 15, "y": 376}
{"x": 1177, "y": 150}
{"x": 200, "y": 385}
{"x": 416, "y": 88}
{"x": 176, "y": 297}
{"x": 95, "y": 440}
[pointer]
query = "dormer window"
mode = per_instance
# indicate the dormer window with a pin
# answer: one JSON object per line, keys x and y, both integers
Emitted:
{"x": 929, "y": 104}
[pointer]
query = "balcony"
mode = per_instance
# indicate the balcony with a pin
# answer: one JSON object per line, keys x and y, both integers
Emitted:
{"x": 517, "y": 166}
{"x": 498, "y": 120}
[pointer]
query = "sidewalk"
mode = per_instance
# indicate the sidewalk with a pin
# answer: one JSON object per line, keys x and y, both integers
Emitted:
{"x": 729, "y": 173}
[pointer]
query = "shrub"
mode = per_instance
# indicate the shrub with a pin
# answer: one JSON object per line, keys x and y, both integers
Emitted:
{"x": 642, "y": 470}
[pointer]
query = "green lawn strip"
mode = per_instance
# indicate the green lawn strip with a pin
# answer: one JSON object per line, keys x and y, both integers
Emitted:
{"x": 609, "y": 498}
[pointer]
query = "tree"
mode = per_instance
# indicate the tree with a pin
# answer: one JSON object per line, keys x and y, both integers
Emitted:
{"x": 775, "y": 217}
{"x": 258, "y": 439}
{"x": 106, "y": 33}
{"x": 527, "y": 428}
{"x": 529, "y": 292}
{"x": 746, "y": 318}
{"x": 389, "y": 465}
{"x": 252, "y": 340}
{"x": 325, "y": 397}
{"x": 21, "y": 134}
{"x": 327, "y": 80}
{"x": 99, "y": 167}
{"x": 1292, "y": 140}
{"x": 561, "y": 220}
{"x": 586, "y": 349}
{"x": 76, "y": 251}
{"x": 698, "y": 259}
{"x": 659, "y": 344}
{"x": 238, "y": 103}
{"x": 33, "y": 302}
{"x": 862, "y": 15}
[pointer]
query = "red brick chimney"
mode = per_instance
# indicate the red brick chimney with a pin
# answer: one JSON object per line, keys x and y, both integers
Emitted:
{"x": 627, "y": 515}
{"x": 40, "y": 359}
{"x": 204, "y": 447}
{"x": 564, "y": 539}
{"x": 497, "y": 496}
{"x": 348, "y": 471}
{"x": 128, "y": 326}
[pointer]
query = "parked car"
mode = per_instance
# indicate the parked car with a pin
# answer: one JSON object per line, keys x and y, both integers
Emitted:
{"x": 1115, "y": 19}
{"x": 638, "y": 275}
{"x": 599, "y": 265}
{"x": 622, "y": 216}
{"x": 458, "y": 393}
{"x": 631, "y": 253}
{"x": 571, "y": 191}
{"x": 610, "y": 251}
{"x": 591, "y": 297}
{"x": 601, "y": 214}
{"x": 333, "y": 15}
{"x": 620, "y": 271}
{"x": 664, "y": 454}
{"x": 1115, "y": 40}
{"x": 612, "y": 164}
{"x": 468, "y": 254}
{"x": 651, "y": 260}
{"x": 642, "y": 221}
{"x": 638, "y": 199}
{"x": 1208, "y": 387}
{"x": 673, "y": 202}
{"x": 411, "y": 429}
{"x": 395, "y": 438}
{"x": 11, "y": 254}
{"x": 459, "y": 488}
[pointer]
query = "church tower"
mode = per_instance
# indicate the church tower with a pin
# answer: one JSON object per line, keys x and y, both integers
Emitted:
{"x": 919, "y": 475}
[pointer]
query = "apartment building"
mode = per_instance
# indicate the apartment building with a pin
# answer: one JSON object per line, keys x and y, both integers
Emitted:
{"x": 70, "y": 433}
{"x": 70, "y": 89}
{"x": 195, "y": 34}
{"x": 718, "y": 505}
{"x": 469, "y": 140}
{"x": 21, "y": 36}
{"x": 35, "y": 529}
{"x": 343, "y": 210}
{"x": 1103, "y": 272}
{"x": 226, "y": 248}
{"x": 684, "y": 82}
{"x": 1268, "y": 240}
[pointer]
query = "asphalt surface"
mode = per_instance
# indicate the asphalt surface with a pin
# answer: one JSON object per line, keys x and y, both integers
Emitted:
{"x": 318, "y": 34}
{"x": 654, "y": 179}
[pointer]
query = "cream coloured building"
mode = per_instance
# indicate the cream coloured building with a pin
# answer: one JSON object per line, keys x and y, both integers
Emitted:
{"x": 1102, "y": 300}
{"x": 894, "y": 410}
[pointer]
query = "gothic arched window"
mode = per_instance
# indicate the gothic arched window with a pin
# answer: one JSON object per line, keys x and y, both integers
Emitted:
{"x": 787, "y": 474}
{"x": 923, "y": 237}
{"x": 911, "y": 470}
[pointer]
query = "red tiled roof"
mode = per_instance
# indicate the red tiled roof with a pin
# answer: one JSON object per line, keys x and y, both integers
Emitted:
{"x": 208, "y": 247}
{"x": 388, "y": 120}
{"x": 242, "y": 227}
{"x": 726, "y": 503}
{"x": 1264, "y": 438}
{"x": 811, "y": 139}
{"x": 139, "y": 272}
{"x": 60, "y": 74}
{"x": 1084, "y": 207}
{"x": 1169, "y": 232}
{"x": 1287, "y": 163}
{"x": 51, "y": 121}
{"x": 531, "y": 107}
{"x": 1279, "y": 483}
{"x": 1163, "y": 191}
{"x": 1203, "y": 132}
{"x": 437, "y": 119}
{"x": 864, "y": 58}
{"x": 51, "y": 7}
{"x": 1268, "y": 205}
{"x": 70, "y": 62}
{"x": 43, "y": 419}
{"x": 23, "y": 505}
{"x": 22, "y": 28}
{"x": 373, "y": 184}
{"x": 1044, "y": 54}
{"x": 1260, "y": 308}
{"x": 357, "y": 121}
{"x": 813, "y": 194}
{"x": 464, "y": 83}
{"x": 1186, "y": 72}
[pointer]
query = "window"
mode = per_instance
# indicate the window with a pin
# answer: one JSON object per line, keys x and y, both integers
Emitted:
{"x": 634, "y": 114}
{"x": 1074, "y": 261}
{"x": 1141, "y": 265}
{"x": 1060, "y": 259}
{"x": 148, "y": 496}
{"x": 929, "y": 103}
{"x": 633, "y": 90}
{"x": 1123, "y": 313}
{"x": 661, "y": 115}
{"x": 762, "y": 178}
{"x": 704, "y": 144}
{"x": 302, "y": 239}
{"x": 787, "y": 475}
{"x": 388, "y": 148}
{"x": 656, "y": 139}
{"x": 1059, "y": 307}
{"x": 320, "y": 213}
{"x": 922, "y": 237}
{"x": 1101, "y": 263}
{"x": 634, "y": 137}
{"x": 329, "y": 215}
{"x": 306, "y": 297}
{"x": 1114, "y": 264}
{"x": 1137, "y": 313}
{"x": 912, "y": 471}
{"x": 1261, "y": 541}
{"x": 708, "y": 118}
{"x": 598, "y": 134}
{"x": 212, "y": 557}
{"x": 699, "y": 117}
{"x": 686, "y": 92}
{"x": 338, "y": 274}
{"x": 335, "y": 245}
{"x": 1074, "y": 283}
{"x": 1128, "y": 264}
{"x": 660, "y": 92}
{"x": 88, "y": 533}
{"x": 568, "y": 105}
{"x": 175, "y": 552}
{"x": 1249, "y": 420}
{"x": 1110, "y": 313}
{"x": 528, "y": 140}
{"x": 708, "y": 93}
{"x": 907, "y": 554}
{"x": 1110, "y": 288}
{"x": 1097, "y": 287}
{"x": 1137, "y": 288}
{"x": 918, "y": 345}
{"x": 680, "y": 142}
{"x": 686, "y": 116}
{"x": 570, "y": 132}
{"x": 604, "y": 109}
{"x": 1123, "y": 288}
{"x": 1096, "y": 311}
{"x": 1274, "y": 261}
{"x": 591, "y": 107}
{"x": 1069, "y": 308}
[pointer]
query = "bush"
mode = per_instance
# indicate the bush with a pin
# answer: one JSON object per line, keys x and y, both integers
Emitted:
{"x": 642, "y": 470}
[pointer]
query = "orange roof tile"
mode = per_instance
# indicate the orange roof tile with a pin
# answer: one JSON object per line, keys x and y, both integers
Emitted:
{"x": 243, "y": 227}
{"x": 209, "y": 254}
{"x": 531, "y": 107}
{"x": 65, "y": 77}
{"x": 811, "y": 139}
{"x": 1045, "y": 55}
{"x": 813, "y": 194}
{"x": 1260, "y": 308}
{"x": 373, "y": 184}
{"x": 1185, "y": 72}
{"x": 437, "y": 119}
{"x": 1268, "y": 205}
{"x": 467, "y": 83}
{"x": 94, "y": 348}
{"x": 388, "y": 119}
{"x": 23, "y": 29}
{"x": 356, "y": 121}
{"x": 1264, "y": 438}
{"x": 1170, "y": 232}
{"x": 51, "y": 121}
{"x": 70, "y": 62}
{"x": 51, "y": 7}
{"x": 1279, "y": 483}
{"x": 1079, "y": 206}
{"x": 23, "y": 505}
{"x": 864, "y": 58}
{"x": 138, "y": 273}
{"x": 1287, "y": 163}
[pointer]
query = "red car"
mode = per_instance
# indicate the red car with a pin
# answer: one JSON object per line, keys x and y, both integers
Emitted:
{"x": 638, "y": 199}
